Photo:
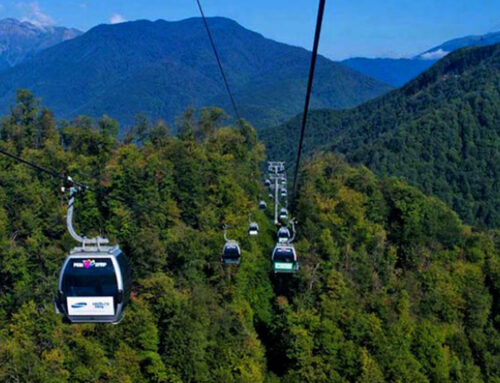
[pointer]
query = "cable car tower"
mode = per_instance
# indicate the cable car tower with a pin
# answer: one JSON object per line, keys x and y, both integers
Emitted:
{"x": 277, "y": 175}
{"x": 95, "y": 280}
{"x": 284, "y": 256}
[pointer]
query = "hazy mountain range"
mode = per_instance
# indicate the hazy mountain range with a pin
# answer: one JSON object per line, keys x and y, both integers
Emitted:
{"x": 21, "y": 40}
{"x": 160, "y": 68}
{"x": 397, "y": 72}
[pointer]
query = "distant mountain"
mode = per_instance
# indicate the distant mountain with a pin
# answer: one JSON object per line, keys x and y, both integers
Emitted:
{"x": 20, "y": 40}
{"x": 440, "y": 132}
{"x": 462, "y": 42}
{"x": 397, "y": 72}
{"x": 160, "y": 68}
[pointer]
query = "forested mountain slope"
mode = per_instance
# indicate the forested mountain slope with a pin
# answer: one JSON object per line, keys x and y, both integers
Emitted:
{"x": 160, "y": 68}
{"x": 392, "y": 286}
{"x": 440, "y": 132}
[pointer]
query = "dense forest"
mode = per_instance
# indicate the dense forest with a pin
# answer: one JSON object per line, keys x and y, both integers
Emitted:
{"x": 392, "y": 286}
{"x": 440, "y": 132}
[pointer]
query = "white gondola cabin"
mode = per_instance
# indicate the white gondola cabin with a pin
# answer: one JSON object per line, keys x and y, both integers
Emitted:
{"x": 283, "y": 215}
{"x": 253, "y": 229}
{"x": 95, "y": 279}
{"x": 94, "y": 285}
{"x": 283, "y": 235}
{"x": 284, "y": 259}
{"x": 231, "y": 253}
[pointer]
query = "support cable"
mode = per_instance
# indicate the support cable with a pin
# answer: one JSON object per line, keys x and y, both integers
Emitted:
{"x": 66, "y": 179}
{"x": 319, "y": 21}
{"x": 219, "y": 63}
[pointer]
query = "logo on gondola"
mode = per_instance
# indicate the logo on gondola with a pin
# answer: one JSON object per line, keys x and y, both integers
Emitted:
{"x": 78, "y": 305}
{"x": 89, "y": 264}
{"x": 101, "y": 305}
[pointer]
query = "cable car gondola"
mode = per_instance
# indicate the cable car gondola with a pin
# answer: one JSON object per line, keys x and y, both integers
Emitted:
{"x": 231, "y": 252}
{"x": 253, "y": 229}
{"x": 267, "y": 182}
{"x": 284, "y": 259}
{"x": 262, "y": 205}
{"x": 283, "y": 214}
{"x": 95, "y": 280}
{"x": 94, "y": 285}
{"x": 283, "y": 234}
{"x": 283, "y": 193}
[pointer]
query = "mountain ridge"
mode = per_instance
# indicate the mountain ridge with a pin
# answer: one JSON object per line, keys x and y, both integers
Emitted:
{"x": 397, "y": 72}
{"x": 439, "y": 132}
{"x": 160, "y": 68}
{"x": 22, "y": 40}
{"x": 464, "y": 42}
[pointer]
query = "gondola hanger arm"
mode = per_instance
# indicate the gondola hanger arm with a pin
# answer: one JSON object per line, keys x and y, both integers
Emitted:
{"x": 69, "y": 222}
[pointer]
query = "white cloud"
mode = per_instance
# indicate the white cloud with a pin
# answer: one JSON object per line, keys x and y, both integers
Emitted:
{"x": 116, "y": 18}
{"x": 32, "y": 13}
{"x": 83, "y": 5}
{"x": 392, "y": 54}
{"x": 435, "y": 55}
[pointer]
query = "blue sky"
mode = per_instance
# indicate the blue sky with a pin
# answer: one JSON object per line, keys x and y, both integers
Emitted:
{"x": 374, "y": 28}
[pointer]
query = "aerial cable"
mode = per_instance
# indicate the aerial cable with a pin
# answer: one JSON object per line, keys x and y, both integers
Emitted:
{"x": 319, "y": 21}
{"x": 31, "y": 164}
{"x": 66, "y": 179}
{"x": 69, "y": 181}
{"x": 219, "y": 63}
